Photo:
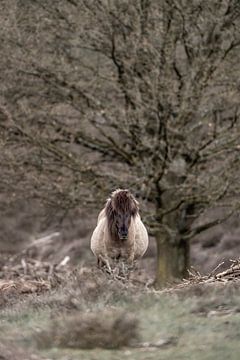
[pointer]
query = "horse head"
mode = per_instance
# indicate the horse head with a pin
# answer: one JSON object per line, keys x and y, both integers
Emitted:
{"x": 120, "y": 209}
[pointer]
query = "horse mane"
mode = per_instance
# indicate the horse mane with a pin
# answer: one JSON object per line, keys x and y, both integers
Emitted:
{"x": 120, "y": 235}
{"x": 121, "y": 200}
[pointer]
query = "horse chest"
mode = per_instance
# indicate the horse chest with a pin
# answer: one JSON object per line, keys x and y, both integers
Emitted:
{"x": 119, "y": 250}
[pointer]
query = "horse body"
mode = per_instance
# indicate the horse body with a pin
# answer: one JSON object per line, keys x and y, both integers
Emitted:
{"x": 120, "y": 232}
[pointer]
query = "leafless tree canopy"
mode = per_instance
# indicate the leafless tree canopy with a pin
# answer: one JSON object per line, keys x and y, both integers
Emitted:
{"x": 140, "y": 94}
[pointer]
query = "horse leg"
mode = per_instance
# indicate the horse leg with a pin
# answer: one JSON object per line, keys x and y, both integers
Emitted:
{"x": 131, "y": 256}
{"x": 103, "y": 262}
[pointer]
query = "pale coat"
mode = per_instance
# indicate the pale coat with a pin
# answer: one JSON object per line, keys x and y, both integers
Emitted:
{"x": 133, "y": 248}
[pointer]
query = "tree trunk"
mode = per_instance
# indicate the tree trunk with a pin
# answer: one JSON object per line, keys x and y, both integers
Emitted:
{"x": 172, "y": 259}
{"x": 173, "y": 250}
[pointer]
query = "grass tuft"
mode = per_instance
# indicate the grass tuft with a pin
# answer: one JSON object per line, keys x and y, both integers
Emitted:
{"x": 108, "y": 329}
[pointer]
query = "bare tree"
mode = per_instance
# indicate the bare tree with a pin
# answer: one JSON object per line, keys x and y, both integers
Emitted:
{"x": 141, "y": 94}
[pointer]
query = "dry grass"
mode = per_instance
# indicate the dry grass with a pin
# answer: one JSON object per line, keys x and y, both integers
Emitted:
{"x": 75, "y": 289}
{"x": 28, "y": 276}
{"x": 106, "y": 329}
{"x": 87, "y": 308}
{"x": 197, "y": 280}
{"x": 32, "y": 269}
{"x": 21, "y": 286}
{"x": 33, "y": 276}
{"x": 13, "y": 352}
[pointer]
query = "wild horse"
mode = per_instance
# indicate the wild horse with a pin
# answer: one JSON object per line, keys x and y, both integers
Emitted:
{"x": 120, "y": 232}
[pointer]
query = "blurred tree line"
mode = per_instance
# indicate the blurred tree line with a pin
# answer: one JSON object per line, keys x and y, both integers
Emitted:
{"x": 140, "y": 94}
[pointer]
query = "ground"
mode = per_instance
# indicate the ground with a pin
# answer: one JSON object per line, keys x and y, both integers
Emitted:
{"x": 68, "y": 312}
{"x": 56, "y": 304}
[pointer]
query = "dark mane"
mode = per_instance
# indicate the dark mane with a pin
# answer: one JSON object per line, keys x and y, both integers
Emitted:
{"x": 120, "y": 236}
{"x": 109, "y": 212}
{"x": 121, "y": 201}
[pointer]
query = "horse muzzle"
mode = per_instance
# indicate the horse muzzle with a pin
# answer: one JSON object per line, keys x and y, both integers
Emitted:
{"x": 123, "y": 237}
